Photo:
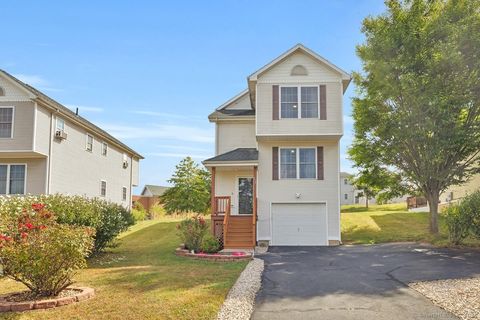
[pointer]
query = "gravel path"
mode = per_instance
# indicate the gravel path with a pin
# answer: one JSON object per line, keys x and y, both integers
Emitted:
{"x": 240, "y": 299}
{"x": 459, "y": 296}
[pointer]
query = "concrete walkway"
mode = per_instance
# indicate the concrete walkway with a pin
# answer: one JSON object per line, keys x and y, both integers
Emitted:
{"x": 356, "y": 282}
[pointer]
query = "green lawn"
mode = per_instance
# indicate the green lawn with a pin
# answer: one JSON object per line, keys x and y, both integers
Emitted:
{"x": 390, "y": 223}
{"x": 143, "y": 279}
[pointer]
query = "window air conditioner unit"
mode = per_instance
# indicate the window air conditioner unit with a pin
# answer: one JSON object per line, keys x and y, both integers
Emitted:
{"x": 125, "y": 164}
{"x": 60, "y": 134}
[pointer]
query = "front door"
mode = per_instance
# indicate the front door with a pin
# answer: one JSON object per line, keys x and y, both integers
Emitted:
{"x": 245, "y": 195}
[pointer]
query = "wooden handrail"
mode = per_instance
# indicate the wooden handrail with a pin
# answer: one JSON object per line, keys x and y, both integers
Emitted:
{"x": 225, "y": 221}
{"x": 220, "y": 205}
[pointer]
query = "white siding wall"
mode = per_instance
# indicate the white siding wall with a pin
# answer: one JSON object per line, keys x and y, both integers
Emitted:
{"x": 235, "y": 134}
{"x": 22, "y": 126}
{"x": 42, "y": 129}
{"x": 270, "y": 190}
{"x": 317, "y": 74}
{"x": 346, "y": 189}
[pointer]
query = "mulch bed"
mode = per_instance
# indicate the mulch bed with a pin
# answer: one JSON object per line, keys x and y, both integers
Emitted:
{"x": 24, "y": 301}
{"x": 219, "y": 257}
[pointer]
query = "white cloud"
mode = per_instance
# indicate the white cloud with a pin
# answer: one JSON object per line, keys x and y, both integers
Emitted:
{"x": 172, "y": 132}
{"x": 167, "y": 115}
{"x": 347, "y": 120}
{"x": 36, "y": 81}
{"x": 176, "y": 155}
{"x": 177, "y": 147}
{"x": 84, "y": 108}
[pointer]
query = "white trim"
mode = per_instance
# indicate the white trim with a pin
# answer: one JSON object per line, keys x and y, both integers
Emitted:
{"x": 339, "y": 212}
{"x": 34, "y": 138}
{"x": 13, "y": 122}
{"x": 338, "y": 134}
{"x": 126, "y": 193}
{"x": 237, "y": 187}
{"x": 86, "y": 141}
{"x": 223, "y": 164}
{"x": 297, "y": 162}
{"x": 49, "y": 160}
{"x": 299, "y": 101}
{"x": 298, "y": 202}
{"x": 7, "y": 182}
{"x": 103, "y": 196}
{"x": 104, "y": 143}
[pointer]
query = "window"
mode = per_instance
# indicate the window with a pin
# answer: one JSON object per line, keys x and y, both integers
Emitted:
{"x": 104, "y": 149}
{"x": 6, "y": 122}
{"x": 12, "y": 178}
{"x": 124, "y": 193}
{"x": 345, "y": 181}
{"x": 60, "y": 126}
{"x": 298, "y": 163}
{"x": 294, "y": 98}
{"x": 103, "y": 188}
{"x": 345, "y": 196}
{"x": 89, "y": 146}
{"x": 2, "y": 92}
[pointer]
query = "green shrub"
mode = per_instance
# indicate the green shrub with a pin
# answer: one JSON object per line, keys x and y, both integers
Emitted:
{"x": 139, "y": 215}
{"x": 192, "y": 231}
{"x": 108, "y": 219}
{"x": 210, "y": 244}
{"x": 463, "y": 218}
{"x": 41, "y": 253}
{"x": 156, "y": 211}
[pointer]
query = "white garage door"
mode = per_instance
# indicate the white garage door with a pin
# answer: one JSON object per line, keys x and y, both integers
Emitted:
{"x": 296, "y": 224}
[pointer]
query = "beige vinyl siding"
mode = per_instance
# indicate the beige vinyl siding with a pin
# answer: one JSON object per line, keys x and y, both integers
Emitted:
{"x": 77, "y": 171}
{"x": 461, "y": 191}
{"x": 12, "y": 92}
{"x": 226, "y": 184}
{"x": 317, "y": 74}
{"x": 135, "y": 172}
{"x": 235, "y": 134}
{"x": 241, "y": 103}
{"x": 23, "y": 123}
{"x": 311, "y": 190}
{"x": 42, "y": 130}
{"x": 36, "y": 173}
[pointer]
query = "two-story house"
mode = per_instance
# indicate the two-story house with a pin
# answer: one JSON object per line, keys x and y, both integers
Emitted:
{"x": 275, "y": 174}
{"x": 45, "y": 148}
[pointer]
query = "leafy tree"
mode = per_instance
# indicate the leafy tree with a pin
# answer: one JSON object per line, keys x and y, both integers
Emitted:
{"x": 418, "y": 104}
{"x": 190, "y": 191}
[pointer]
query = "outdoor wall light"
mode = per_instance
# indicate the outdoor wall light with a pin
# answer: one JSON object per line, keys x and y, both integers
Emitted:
{"x": 298, "y": 195}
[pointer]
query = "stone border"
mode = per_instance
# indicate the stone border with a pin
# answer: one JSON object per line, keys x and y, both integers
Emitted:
{"x": 8, "y": 306}
{"x": 212, "y": 257}
{"x": 241, "y": 299}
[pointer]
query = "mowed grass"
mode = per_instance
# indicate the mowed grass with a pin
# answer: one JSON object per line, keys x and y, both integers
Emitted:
{"x": 143, "y": 279}
{"x": 391, "y": 223}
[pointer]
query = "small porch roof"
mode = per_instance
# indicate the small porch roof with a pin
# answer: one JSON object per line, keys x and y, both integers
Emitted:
{"x": 239, "y": 156}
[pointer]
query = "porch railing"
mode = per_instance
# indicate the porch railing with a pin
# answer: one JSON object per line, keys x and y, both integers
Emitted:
{"x": 221, "y": 205}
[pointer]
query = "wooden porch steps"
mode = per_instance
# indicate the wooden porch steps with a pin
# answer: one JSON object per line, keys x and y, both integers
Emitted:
{"x": 239, "y": 232}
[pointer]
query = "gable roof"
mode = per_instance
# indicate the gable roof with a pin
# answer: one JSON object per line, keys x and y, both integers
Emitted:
{"x": 239, "y": 154}
{"x": 155, "y": 190}
{"x": 49, "y": 102}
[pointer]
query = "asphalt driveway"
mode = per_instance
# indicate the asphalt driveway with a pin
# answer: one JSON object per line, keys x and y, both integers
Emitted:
{"x": 356, "y": 282}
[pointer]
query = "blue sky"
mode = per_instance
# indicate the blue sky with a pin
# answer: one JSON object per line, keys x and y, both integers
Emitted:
{"x": 150, "y": 72}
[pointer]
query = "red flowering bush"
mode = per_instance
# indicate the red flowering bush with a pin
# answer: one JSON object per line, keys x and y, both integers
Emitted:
{"x": 41, "y": 253}
{"x": 192, "y": 231}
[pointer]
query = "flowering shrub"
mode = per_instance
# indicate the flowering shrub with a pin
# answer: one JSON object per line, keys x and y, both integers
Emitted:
{"x": 192, "y": 231}
{"x": 41, "y": 253}
{"x": 210, "y": 244}
{"x": 108, "y": 219}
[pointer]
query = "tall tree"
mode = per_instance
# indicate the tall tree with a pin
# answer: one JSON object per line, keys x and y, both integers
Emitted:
{"x": 190, "y": 191}
{"x": 418, "y": 103}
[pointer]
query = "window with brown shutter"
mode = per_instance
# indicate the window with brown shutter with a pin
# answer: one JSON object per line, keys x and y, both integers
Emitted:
{"x": 320, "y": 163}
{"x": 275, "y": 163}
{"x": 323, "y": 102}
{"x": 275, "y": 102}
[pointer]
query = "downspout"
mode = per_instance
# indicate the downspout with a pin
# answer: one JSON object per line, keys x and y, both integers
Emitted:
{"x": 131, "y": 183}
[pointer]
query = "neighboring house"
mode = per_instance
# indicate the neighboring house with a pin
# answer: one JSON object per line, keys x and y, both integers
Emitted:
{"x": 277, "y": 155}
{"x": 150, "y": 196}
{"x": 45, "y": 148}
{"x": 348, "y": 193}
{"x": 455, "y": 193}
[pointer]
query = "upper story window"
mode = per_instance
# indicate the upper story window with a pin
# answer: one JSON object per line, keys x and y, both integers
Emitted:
{"x": 89, "y": 144}
{"x": 346, "y": 196}
{"x": 299, "y": 102}
{"x": 345, "y": 181}
{"x": 6, "y": 122}
{"x": 104, "y": 149}
{"x": 12, "y": 178}
{"x": 60, "y": 125}
{"x": 103, "y": 188}
{"x": 298, "y": 163}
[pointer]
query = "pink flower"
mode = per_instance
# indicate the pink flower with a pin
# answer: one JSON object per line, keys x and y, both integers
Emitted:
{"x": 38, "y": 206}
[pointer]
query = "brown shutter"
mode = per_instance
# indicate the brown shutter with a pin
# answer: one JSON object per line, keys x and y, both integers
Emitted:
{"x": 320, "y": 164}
{"x": 275, "y": 102}
{"x": 323, "y": 102}
{"x": 275, "y": 163}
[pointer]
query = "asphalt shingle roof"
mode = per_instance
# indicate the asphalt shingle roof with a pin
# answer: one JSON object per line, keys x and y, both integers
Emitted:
{"x": 156, "y": 190}
{"x": 240, "y": 154}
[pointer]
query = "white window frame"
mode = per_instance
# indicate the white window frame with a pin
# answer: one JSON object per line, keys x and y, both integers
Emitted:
{"x": 86, "y": 142}
{"x": 299, "y": 100}
{"x": 345, "y": 181}
{"x": 7, "y": 188}
{"x": 13, "y": 121}
{"x": 104, "y": 147}
{"x": 56, "y": 124}
{"x": 297, "y": 162}
{"x": 103, "y": 195}
{"x": 124, "y": 193}
{"x": 345, "y": 196}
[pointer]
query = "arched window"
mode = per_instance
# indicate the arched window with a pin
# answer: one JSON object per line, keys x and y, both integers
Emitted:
{"x": 299, "y": 70}
{"x": 2, "y": 92}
